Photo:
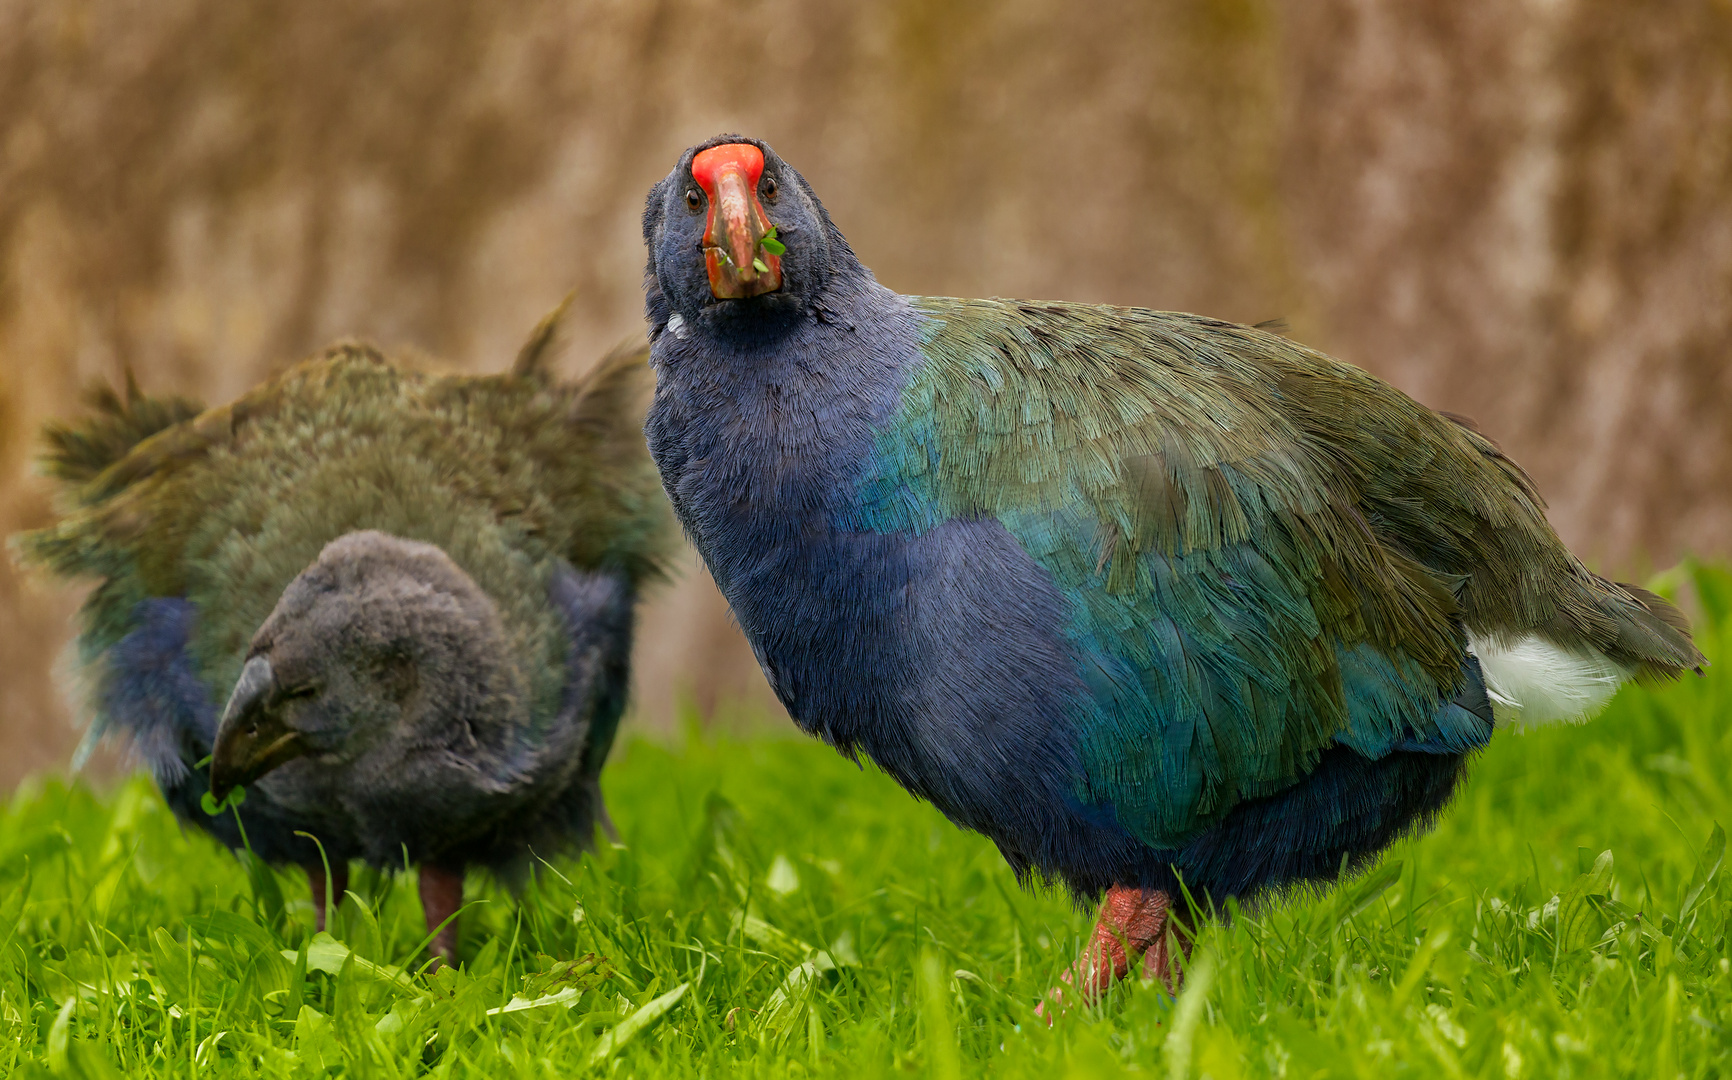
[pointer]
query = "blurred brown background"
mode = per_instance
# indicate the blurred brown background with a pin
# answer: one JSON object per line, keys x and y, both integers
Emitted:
{"x": 1520, "y": 211}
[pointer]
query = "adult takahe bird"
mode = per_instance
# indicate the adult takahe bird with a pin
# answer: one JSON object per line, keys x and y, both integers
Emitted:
{"x": 419, "y": 589}
{"x": 1145, "y": 597}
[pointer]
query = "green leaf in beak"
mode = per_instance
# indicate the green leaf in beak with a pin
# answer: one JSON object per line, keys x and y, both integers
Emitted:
{"x": 208, "y": 803}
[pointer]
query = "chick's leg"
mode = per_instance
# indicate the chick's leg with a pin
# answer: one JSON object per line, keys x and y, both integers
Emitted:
{"x": 1133, "y": 922}
{"x": 338, "y": 885}
{"x": 441, "y": 896}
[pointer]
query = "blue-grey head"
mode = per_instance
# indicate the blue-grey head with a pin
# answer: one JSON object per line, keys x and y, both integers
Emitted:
{"x": 737, "y": 238}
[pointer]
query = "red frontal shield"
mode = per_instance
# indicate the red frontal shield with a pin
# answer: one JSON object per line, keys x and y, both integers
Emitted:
{"x": 733, "y": 235}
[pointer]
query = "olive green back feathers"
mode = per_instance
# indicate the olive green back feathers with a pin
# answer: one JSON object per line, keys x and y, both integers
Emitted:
{"x": 224, "y": 507}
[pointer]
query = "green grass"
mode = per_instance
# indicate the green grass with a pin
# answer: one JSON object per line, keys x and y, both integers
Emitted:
{"x": 820, "y": 922}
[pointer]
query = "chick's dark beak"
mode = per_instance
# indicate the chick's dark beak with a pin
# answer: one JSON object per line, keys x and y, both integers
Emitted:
{"x": 734, "y": 233}
{"x": 252, "y": 738}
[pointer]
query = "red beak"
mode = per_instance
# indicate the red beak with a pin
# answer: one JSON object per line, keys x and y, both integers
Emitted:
{"x": 737, "y": 225}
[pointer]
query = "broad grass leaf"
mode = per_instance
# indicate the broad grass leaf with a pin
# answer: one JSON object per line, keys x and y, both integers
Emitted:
{"x": 225, "y": 927}
{"x": 297, "y": 979}
{"x": 1357, "y": 895}
{"x": 59, "y": 1033}
{"x": 349, "y": 1005}
{"x": 485, "y": 960}
{"x": 267, "y": 891}
{"x": 765, "y": 936}
{"x": 616, "y": 1037}
{"x": 174, "y": 965}
{"x": 364, "y": 937}
{"x": 325, "y": 953}
{"x": 1707, "y": 868}
{"x": 12, "y": 908}
{"x": 938, "y": 1036}
{"x": 794, "y": 988}
{"x": 404, "y": 1012}
{"x": 315, "y": 1042}
{"x": 1580, "y": 920}
{"x": 583, "y": 973}
{"x": 86, "y": 1060}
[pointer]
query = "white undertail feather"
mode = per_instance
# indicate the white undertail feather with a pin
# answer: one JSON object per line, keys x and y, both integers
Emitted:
{"x": 1533, "y": 681}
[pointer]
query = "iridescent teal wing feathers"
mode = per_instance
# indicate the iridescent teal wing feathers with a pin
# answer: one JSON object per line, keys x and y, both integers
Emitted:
{"x": 1248, "y": 588}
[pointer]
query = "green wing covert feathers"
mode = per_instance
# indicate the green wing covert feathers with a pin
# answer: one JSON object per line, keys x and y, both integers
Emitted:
{"x": 1138, "y": 412}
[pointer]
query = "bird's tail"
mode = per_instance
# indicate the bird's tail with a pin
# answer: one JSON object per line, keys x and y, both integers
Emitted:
{"x": 77, "y": 451}
{"x": 1618, "y": 632}
{"x": 1653, "y": 636}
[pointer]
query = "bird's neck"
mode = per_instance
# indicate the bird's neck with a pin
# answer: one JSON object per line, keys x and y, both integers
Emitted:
{"x": 762, "y": 443}
{"x": 797, "y": 406}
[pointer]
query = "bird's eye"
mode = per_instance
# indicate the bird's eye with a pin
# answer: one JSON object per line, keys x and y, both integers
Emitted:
{"x": 768, "y": 187}
{"x": 295, "y": 693}
{"x": 693, "y": 199}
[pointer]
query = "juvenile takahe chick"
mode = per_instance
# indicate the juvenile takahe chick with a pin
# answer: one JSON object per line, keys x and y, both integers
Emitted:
{"x": 419, "y": 589}
{"x": 1145, "y": 597}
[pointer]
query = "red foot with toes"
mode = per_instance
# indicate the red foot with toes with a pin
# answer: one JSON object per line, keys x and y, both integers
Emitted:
{"x": 1133, "y": 924}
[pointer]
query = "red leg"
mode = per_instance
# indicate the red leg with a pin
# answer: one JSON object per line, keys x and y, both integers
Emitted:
{"x": 339, "y": 885}
{"x": 441, "y": 896}
{"x": 1132, "y": 923}
{"x": 1158, "y": 960}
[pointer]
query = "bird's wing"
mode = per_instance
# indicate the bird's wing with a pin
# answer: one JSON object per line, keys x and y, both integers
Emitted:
{"x": 1431, "y": 486}
{"x": 1234, "y": 609}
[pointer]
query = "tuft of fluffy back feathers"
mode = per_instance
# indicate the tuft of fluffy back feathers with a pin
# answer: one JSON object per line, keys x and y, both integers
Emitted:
{"x": 76, "y": 451}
